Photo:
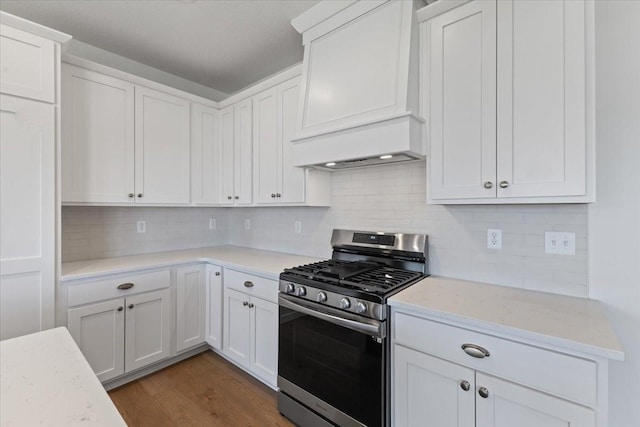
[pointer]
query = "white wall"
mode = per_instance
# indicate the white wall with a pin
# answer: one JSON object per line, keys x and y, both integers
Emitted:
{"x": 614, "y": 220}
{"x": 103, "y": 232}
{"x": 392, "y": 198}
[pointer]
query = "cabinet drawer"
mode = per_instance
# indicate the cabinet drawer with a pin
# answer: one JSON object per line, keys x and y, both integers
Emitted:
{"x": 27, "y": 65}
{"x": 251, "y": 285}
{"x": 555, "y": 373}
{"x": 103, "y": 289}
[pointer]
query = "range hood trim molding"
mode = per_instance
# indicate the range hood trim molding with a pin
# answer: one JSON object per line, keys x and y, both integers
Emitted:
{"x": 400, "y": 134}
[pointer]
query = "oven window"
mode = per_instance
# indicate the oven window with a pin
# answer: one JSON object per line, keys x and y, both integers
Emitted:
{"x": 342, "y": 367}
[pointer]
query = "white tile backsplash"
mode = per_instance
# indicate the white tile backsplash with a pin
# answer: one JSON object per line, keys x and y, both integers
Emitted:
{"x": 382, "y": 198}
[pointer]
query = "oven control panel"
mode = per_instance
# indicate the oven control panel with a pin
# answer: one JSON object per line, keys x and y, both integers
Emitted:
{"x": 334, "y": 300}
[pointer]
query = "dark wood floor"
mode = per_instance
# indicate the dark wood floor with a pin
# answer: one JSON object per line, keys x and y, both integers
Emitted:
{"x": 204, "y": 390}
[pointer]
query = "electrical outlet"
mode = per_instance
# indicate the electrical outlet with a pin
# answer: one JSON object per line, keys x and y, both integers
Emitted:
{"x": 297, "y": 226}
{"x": 212, "y": 223}
{"x": 141, "y": 226}
{"x": 247, "y": 224}
{"x": 494, "y": 238}
{"x": 561, "y": 243}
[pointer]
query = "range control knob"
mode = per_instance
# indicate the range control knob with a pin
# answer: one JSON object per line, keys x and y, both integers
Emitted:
{"x": 290, "y": 288}
{"x": 321, "y": 297}
{"x": 301, "y": 291}
{"x": 345, "y": 303}
{"x": 361, "y": 308}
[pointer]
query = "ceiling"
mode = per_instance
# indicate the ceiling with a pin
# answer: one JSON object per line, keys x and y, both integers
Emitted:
{"x": 222, "y": 44}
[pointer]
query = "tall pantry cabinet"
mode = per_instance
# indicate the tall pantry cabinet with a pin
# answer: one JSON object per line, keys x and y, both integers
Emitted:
{"x": 29, "y": 117}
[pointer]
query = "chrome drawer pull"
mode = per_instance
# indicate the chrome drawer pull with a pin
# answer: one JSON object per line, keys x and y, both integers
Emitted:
{"x": 125, "y": 286}
{"x": 248, "y": 284}
{"x": 475, "y": 351}
{"x": 465, "y": 385}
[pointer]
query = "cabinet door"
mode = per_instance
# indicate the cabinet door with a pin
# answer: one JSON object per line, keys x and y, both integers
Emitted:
{"x": 264, "y": 339}
{"x": 28, "y": 65}
{"x": 206, "y": 152}
{"x": 292, "y": 179}
{"x": 148, "y": 329}
{"x": 27, "y": 216}
{"x": 266, "y": 148}
{"x": 243, "y": 158}
{"x": 98, "y": 329}
{"x": 226, "y": 159}
{"x": 191, "y": 303}
{"x": 162, "y": 148}
{"x": 214, "y": 306}
{"x": 429, "y": 392}
{"x": 541, "y": 98}
{"x": 97, "y": 137}
{"x": 462, "y": 74}
{"x": 237, "y": 325}
{"x": 509, "y": 405}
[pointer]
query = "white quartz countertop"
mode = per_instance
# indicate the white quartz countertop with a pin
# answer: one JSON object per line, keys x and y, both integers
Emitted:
{"x": 45, "y": 380}
{"x": 263, "y": 263}
{"x": 574, "y": 323}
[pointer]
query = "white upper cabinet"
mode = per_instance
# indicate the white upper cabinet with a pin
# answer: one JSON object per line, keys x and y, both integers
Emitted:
{"x": 243, "y": 152}
{"x": 359, "y": 82}
{"x": 122, "y": 143}
{"x": 510, "y": 107}
{"x": 28, "y": 65}
{"x": 222, "y": 155}
{"x": 162, "y": 148}
{"x": 463, "y": 101}
{"x": 276, "y": 179}
{"x": 205, "y": 155}
{"x": 98, "y": 137}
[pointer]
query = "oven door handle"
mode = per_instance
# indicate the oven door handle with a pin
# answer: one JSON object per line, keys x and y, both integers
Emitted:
{"x": 376, "y": 329}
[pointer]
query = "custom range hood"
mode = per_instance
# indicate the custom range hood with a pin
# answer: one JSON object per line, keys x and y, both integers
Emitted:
{"x": 359, "y": 92}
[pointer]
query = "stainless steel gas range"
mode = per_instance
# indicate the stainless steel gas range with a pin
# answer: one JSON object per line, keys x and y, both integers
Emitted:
{"x": 333, "y": 363}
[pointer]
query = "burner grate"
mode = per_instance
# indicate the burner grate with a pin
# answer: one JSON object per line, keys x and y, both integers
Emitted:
{"x": 382, "y": 279}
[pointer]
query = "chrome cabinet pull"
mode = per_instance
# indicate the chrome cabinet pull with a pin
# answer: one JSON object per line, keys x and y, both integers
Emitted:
{"x": 483, "y": 392}
{"x": 278, "y": 195}
{"x": 131, "y": 306}
{"x": 475, "y": 351}
{"x": 217, "y": 273}
{"x": 236, "y": 197}
{"x": 131, "y": 195}
{"x": 245, "y": 303}
{"x": 139, "y": 195}
{"x": 504, "y": 184}
{"x": 488, "y": 184}
{"x": 125, "y": 286}
{"x": 273, "y": 195}
{"x": 120, "y": 308}
{"x": 250, "y": 305}
{"x": 465, "y": 385}
{"x": 248, "y": 284}
{"x": 229, "y": 197}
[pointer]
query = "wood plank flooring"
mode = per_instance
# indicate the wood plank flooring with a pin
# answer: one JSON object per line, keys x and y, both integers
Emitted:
{"x": 204, "y": 390}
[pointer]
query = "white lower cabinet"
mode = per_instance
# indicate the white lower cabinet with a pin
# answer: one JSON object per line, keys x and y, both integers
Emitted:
{"x": 214, "y": 306}
{"x": 124, "y": 334}
{"x": 506, "y": 383}
{"x": 190, "y": 306}
{"x": 251, "y": 324}
{"x": 120, "y": 323}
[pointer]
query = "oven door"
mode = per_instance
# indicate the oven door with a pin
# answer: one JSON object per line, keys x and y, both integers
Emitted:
{"x": 332, "y": 362}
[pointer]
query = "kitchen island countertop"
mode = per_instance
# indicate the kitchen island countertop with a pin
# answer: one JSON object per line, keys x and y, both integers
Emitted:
{"x": 45, "y": 380}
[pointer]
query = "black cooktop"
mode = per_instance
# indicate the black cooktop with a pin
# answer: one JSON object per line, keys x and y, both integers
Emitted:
{"x": 364, "y": 276}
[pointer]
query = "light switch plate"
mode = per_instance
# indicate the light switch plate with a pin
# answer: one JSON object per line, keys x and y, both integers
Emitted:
{"x": 247, "y": 224}
{"x": 297, "y": 226}
{"x": 141, "y": 226}
{"x": 212, "y": 223}
{"x": 560, "y": 243}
